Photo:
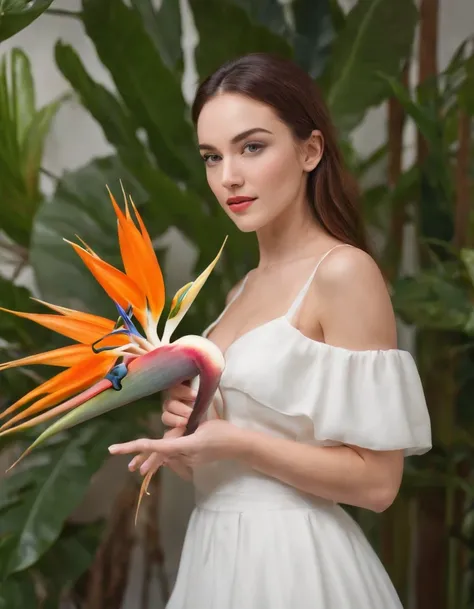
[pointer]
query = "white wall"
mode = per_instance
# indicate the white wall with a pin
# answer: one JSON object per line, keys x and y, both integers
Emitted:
{"x": 75, "y": 139}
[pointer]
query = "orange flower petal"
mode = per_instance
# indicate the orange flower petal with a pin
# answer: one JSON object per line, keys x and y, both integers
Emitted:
{"x": 155, "y": 289}
{"x": 77, "y": 329}
{"x": 118, "y": 286}
{"x": 64, "y": 357}
{"x": 97, "y": 320}
{"x": 139, "y": 258}
{"x": 62, "y": 386}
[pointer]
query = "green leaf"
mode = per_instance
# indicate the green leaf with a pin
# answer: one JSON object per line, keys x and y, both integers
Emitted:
{"x": 67, "y": 559}
{"x": 376, "y": 38}
{"x": 235, "y": 36}
{"x": 467, "y": 256}
{"x": 80, "y": 206}
{"x": 14, "y": 329}
{"x": 22, "y": 138}
{"x": 150, "y": 91}
{"x": 55, "y": 480}
{"x": 268, "y": 13}
{"x": 32, "y": 149}
{"x": 118, "y": 124}
{"x": 420, "y": 115}
{"x": 431, "y": 300}
{"x": 163, "y": 26}
{"x": 22, "y": 92}
{"x": 15, "y": 15}
{"x": 466, "y": 94}
{"x": 310, "y": 33}
{"x": 338, "y": 15}
{"x": 314, "y": 34}
{"x": 18, "y": 592}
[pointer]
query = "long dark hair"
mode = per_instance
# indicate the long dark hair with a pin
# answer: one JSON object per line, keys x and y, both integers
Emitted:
{"x": 289, "y": 90}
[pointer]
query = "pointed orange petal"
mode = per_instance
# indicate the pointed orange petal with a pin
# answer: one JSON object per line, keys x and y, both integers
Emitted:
{"x": 53, "y": 383}
{"x": 118, "y": 286}
{"x": 69, "y": 404}
{"x": 62, "y": 386}
{"x": 139, "y": 258}
{"x": 77, "y": 329}
{"x": 64, "y": 357}
{"x": 155, "y": 286}
{"x": 97, "y": 320}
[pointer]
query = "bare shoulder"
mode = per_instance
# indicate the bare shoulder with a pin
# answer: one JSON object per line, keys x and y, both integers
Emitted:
{"x": 355, "y": 305}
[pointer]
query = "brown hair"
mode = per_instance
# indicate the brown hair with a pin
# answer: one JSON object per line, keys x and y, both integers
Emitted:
{"x": 289, "y": 90}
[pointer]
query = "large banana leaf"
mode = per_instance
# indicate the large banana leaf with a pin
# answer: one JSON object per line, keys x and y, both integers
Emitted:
{"x": 15, "y": 15}
{"x": 149, "y": 89}
{"x": 163, "y": 26}
{"x": 119, "y": 125}
{"x": 376, "y": 38}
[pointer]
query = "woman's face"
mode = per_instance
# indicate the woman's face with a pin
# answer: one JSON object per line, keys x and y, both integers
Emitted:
{"x": 254, "y": 166}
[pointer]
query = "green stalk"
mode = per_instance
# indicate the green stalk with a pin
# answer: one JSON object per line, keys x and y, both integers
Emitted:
{"x": 58, "y": 12}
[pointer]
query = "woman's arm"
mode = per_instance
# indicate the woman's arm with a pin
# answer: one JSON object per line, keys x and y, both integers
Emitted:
{"x": 345, "y": 474}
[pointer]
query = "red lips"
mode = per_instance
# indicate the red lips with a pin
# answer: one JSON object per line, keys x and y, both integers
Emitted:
{"x": 240, "y": 199}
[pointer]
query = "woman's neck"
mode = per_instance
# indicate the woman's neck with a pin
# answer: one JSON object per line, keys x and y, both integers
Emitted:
{"x": 292, "y": 236}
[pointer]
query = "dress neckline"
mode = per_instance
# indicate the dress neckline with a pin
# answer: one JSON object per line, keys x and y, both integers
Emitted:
{"x": 288, "y": 316}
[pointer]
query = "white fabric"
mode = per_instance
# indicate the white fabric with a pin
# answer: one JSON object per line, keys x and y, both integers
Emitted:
{"x": 256, "y": 543}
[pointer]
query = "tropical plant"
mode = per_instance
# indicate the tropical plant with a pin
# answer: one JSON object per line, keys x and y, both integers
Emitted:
{"x": 433, "y": 195}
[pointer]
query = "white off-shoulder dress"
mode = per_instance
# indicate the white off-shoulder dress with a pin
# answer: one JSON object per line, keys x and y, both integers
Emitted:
{"x": 254, "y": 542}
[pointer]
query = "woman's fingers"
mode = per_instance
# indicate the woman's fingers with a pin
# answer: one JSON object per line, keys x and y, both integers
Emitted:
{"x": 173, "y": 420}
{"x": 137, "y": 461}
{"x": 178, "y": 408}
{"x": 175, "y": 413}
{"x": 182, "y": 392}
{"x": 153, "y": 462}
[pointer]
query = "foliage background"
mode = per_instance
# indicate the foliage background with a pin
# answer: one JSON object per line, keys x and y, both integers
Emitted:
{"x": 122, "y": 71}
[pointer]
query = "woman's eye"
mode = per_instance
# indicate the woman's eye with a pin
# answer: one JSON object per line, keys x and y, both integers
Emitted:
{"x": 253, "y": 147}
{"x": 210, "y": 158}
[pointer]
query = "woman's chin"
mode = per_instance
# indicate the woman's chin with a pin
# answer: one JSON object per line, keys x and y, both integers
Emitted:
{"x": 247, "y": 225}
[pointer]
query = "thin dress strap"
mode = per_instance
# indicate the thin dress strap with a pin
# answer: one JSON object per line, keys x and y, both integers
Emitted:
{"x": 299, "y": 298}
{"x": 234, "y": 297}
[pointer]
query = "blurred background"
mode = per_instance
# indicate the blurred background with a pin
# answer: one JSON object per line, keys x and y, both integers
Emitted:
{"x": 94, "y": 91}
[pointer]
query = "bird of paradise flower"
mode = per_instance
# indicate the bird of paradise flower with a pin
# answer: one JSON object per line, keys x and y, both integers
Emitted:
{"x": 113, "y": 364}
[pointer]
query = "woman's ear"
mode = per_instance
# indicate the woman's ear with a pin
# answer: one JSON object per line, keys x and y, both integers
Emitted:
{"x": 312, "y": 151}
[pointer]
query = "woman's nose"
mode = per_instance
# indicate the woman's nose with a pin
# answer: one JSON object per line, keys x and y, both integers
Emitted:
{"x": 231, "y": 177}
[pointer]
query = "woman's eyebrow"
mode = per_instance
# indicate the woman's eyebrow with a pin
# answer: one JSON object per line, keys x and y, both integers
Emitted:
{"x": 237, "y": 138}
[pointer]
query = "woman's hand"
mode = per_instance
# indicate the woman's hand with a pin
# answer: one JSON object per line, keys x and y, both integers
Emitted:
{"x": 148, "y": 461}
{"x": 178, "y": 405}
{"x": 176, "y": 410}
{"x": 212, "y": 441}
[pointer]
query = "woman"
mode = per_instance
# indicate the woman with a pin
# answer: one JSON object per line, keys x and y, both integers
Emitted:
{"x": 317, "y": 406}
